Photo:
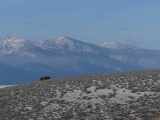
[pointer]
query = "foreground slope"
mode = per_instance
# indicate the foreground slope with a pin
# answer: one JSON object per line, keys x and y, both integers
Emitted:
{"x": 116, "y": 96}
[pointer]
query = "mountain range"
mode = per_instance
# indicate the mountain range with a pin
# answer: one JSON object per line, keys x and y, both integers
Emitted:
{"x": 23, "y": 61}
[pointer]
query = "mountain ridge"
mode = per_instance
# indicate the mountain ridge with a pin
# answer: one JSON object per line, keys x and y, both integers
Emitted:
{"x": 116, "y": 45}
{"x": 65, "y": 56}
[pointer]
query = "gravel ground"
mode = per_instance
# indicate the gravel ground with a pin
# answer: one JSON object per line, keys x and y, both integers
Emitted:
{"x": 116, "y": 96}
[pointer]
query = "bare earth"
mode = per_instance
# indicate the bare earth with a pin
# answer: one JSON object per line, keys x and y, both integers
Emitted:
{"x": 116, "y": 96}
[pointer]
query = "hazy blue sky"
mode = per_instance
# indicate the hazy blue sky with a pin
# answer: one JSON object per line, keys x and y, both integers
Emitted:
{"x": 94, "y": 21}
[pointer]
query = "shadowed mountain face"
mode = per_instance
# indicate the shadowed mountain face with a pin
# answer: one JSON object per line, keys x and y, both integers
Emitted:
{"x": 22, "y": 60}
{"x": 116, "y": 96}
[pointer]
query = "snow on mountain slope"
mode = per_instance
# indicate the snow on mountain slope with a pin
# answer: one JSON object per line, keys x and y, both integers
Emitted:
{"x": 15, "y": 46}
{"x": 4, "y": 86}
{"x": 112, "y": 45}
{"x": 132, "y": 54}
{"x": 71, "y": 44}
{"x": 12, "y": 42}
{"x": 116, "y": 46}
{"x": 21, "y": 47}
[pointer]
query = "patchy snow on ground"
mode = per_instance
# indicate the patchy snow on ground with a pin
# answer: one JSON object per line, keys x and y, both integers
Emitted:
{"x": 3, "y": 86}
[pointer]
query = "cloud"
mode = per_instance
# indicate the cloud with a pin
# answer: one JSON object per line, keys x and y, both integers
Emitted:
{"x": 32, "y": 23}
{"x": 120, "y": 29}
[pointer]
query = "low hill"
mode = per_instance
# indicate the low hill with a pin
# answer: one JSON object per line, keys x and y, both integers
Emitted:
{"x": 116, "y": 96}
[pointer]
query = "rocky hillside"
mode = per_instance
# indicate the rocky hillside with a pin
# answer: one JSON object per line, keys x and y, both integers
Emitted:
{"x": 116, "y": 96}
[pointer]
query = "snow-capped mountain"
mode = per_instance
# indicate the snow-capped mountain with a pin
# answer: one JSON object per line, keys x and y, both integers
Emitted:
{"x": 117, "y": 46}
{"x": 22, "y": 60}
{"x": 112, "y": 45}
{"x": 16, "y": 46}
{"x": 68, "y": 43}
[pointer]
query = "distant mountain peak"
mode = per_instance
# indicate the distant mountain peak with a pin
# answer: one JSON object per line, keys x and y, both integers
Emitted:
{"x": 68, "y": 39}
{"x": 13, "y": 42}
{"x": 59, "y": 43}
{"x": 15, "y": 46}
{"x": 63, "y": 40}
{"x": 116, "y": 45}
{"x": 112, "y": 45}
{"x": 67, "y": 43}
{"x": 13, "y": 38}
{"x": 61, "y": 37}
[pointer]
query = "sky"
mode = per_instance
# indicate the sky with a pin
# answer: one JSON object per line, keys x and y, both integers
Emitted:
{"x": 94, "y": 21}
